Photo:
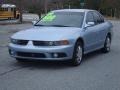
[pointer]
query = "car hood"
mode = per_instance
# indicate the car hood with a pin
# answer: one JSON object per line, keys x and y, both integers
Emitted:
{"x": 46, "y": 33}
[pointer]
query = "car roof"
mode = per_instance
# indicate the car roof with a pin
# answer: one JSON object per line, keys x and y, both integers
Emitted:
{"x": 73, "y": 10}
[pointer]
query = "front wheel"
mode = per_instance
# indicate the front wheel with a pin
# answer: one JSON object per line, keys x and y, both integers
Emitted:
{"x": 78, "y": 54}
{"x": 107, "y": 45}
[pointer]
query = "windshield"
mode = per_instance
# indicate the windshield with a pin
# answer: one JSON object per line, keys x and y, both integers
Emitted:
{"x": 62, "y": 19}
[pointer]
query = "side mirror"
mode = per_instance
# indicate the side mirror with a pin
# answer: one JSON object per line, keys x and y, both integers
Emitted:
{"x": 34, "y": 22}
{"x": 89, "y": 24}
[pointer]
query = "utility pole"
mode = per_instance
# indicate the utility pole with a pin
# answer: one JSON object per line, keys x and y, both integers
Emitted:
{"x": 69, "y": 5}
{"x": 46, "y": 6}
{"x": 20, "y": 10}
{"x": 82, "y": 3}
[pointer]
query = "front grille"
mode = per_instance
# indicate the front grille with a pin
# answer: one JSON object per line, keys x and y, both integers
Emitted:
{"x": 22, "y": 42}
{"x": 34, "y": 55}
{"x": 40, "y": 43}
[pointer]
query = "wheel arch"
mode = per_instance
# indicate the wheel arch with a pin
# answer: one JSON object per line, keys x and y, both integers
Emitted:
{"x": 110, "y": 35}
{"x": 80, "y": 39}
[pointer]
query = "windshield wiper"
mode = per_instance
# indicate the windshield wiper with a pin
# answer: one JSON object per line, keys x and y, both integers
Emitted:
{"x": 52, "y": 25}
{"x": 39, "y": 25}
{"x": 59, "y": 26}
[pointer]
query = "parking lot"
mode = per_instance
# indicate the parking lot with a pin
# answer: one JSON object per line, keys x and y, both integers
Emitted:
{"x": 98, "y": 71}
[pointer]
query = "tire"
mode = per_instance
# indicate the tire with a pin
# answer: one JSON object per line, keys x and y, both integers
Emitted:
{"x": 107, "y": 45}
{"x": 78, "y": 54}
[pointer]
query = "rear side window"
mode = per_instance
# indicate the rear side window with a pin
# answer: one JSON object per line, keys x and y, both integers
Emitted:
{"x": 101, "y": 18}
{"x": 98, "y": 18}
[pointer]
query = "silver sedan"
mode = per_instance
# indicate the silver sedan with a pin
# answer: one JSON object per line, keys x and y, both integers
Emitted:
{"x": 63, "y": 35}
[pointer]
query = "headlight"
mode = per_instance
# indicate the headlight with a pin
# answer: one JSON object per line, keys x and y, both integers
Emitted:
{"x": 14, "y": 41}
{"x": 58, "y": 43}
{"x": 19, "y": 42}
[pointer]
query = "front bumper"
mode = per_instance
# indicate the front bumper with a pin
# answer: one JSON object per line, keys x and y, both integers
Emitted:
{"x": 42, "y": 52}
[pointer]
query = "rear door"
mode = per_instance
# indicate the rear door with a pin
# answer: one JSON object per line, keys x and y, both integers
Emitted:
{"x": 101, "y": 28}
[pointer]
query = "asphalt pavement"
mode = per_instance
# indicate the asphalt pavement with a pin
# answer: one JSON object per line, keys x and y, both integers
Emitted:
{"x": 98, "y": 71}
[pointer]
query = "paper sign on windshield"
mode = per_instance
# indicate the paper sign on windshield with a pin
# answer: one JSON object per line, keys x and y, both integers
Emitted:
{"x": 49, "y": 17}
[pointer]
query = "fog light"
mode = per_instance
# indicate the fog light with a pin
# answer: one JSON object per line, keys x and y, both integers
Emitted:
{"x": 12, "y": 52}
{"x": 55, "y": 55}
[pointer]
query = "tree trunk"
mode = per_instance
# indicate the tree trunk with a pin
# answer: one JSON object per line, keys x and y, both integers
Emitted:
{"x": 45, "y": 6}
{"x": 20, "y": 19}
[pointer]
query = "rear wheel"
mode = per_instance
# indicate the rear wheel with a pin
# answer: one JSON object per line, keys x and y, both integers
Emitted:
{"x": 78, "y": 54}
{"x": 107, "y": 45}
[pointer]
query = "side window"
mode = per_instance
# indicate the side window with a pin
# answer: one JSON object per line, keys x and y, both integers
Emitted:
{"x": 90, "y": 17}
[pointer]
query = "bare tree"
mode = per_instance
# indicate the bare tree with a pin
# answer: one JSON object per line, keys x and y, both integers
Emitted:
{"x": 111, "y": 7}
